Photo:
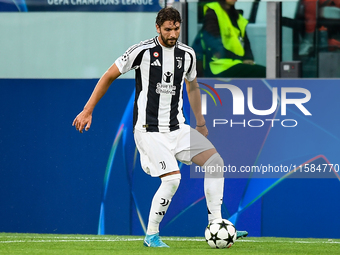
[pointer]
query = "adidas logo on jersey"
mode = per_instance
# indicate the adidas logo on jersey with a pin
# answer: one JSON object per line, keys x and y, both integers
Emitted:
{"x": 156, "y": 63}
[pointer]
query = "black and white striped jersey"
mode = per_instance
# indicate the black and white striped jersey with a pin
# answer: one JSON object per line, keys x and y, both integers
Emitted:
{"x": 160, "y": 73}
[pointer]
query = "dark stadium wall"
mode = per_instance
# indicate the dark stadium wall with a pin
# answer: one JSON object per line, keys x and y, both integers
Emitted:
{"x": 309, "y": 206}
{"x": 52, "y": 176}
{"x": 55, "y": 180}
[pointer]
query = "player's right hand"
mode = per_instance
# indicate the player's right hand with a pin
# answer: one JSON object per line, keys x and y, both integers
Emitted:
{"x": 83, "y": 120}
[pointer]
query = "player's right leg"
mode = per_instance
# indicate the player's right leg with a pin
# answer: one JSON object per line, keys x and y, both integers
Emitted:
{"x": 158, "y": 160}
{"x": 159, "y": 206}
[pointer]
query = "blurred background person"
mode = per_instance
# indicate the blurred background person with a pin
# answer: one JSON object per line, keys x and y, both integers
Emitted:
{"x": 310, "y": 15}
{"x": 224, "y": 43}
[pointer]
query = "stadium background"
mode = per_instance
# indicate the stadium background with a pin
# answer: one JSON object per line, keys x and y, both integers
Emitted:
{"x": 54, "y": 180}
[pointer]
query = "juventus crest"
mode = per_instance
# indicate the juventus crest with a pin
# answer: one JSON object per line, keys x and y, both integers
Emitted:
{"x": 179, "y": 62}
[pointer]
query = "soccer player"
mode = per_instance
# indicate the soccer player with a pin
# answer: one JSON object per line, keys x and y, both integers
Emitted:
{"x": 161, "y": 65}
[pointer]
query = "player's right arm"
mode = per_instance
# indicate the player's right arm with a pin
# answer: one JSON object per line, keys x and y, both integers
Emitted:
{"x": 84, "y": 118}
{"x": 123, "y": 64}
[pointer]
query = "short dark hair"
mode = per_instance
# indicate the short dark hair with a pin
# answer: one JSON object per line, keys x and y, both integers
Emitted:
{"x": 168, "y": 14}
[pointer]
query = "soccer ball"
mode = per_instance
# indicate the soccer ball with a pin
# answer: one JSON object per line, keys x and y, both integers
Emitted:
{"x": 220, "y": 234}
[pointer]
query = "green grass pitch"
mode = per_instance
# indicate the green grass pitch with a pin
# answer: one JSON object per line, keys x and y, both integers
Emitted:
{"x": 13, "y": 243}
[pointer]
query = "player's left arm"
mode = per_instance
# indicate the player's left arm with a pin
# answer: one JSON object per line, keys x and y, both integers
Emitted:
{"x": 194, "y": 95}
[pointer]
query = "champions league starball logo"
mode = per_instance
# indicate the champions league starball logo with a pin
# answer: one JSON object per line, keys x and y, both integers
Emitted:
{"x": 241, "y": 100}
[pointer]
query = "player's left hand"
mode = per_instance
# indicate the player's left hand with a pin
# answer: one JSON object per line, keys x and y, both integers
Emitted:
{"x": 203, "y": 130}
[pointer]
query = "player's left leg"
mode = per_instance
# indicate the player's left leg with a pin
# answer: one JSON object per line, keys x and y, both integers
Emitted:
{"x": 213, "y": 181}
{"x": 205, "y": 155}
{"x": 192, "y": 146}
{"x": 213, "y": 184}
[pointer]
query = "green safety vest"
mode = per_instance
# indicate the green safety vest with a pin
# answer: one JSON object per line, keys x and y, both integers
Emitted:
{"x": 230, "y": 38}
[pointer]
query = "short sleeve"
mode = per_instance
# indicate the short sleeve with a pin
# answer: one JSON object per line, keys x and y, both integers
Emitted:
{"x": 126, "y": 62}
{"x": 192, "y": 73}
